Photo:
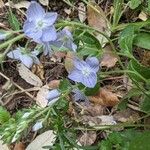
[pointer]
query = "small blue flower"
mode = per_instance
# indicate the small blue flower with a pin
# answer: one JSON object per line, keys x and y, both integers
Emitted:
{"x": 53, "y": 96}
{"x": 37, "y": 126}
{"x": 40, "y": 25}
{"x": 64, "y": 41}
{"x": 85, "y": 71}
{"x": 78, "y": 95}
{"x": 26, "y": 58}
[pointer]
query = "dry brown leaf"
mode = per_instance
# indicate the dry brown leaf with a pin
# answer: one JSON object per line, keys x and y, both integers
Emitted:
{"x": 28, "y": 76}
{"x": 127, "y": 82}
{"x": 39, "y": 71}
{"x": 44, "y": 2}
{"x": 41, "y": 96}
{"x": 82, "y": 12}
{"x": 19, "y": 146}
{"x": 109, "y": 59}
{"x": 45, "y": 139}
{"x": 69, "y": 61}
{"x": 2, "y": 4}
{"x": 127, "y": 115}
{"x": 54, "y": 84}
{"x": 88, "y": 138}
{"x": 105, "y": 98}
{"x": 97, "y": 19}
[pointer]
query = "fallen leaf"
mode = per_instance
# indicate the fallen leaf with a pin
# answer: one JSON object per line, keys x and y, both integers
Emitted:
{"x": 107, "y": 120}
{"x": 88, "y": 138}
{"x": 54, "y": 84}
{"x": 126, "y": 115}
{"x": 69, "y": 61}
{"x": 127, "y": 82}
{"x": 143, "y": 16}
{"x": 3, "y": 146}
{"x": 97, "y": 19}
{"x": 19, "y": 146}
{"x": 82, "y": 12}
{"x": 28, "y": 76}
{"x": 45, "y": 139}
{"x": 105, "y": 98}
{"x": 21, "y": 4}
{"x": 44, "y": 2}
{"x": 39, "y": 71}
{"x": 67, "y": 11}
{"x": 109, "y": 59}
{"x": 41, "y": 96}
{"x": 2, "y": 4}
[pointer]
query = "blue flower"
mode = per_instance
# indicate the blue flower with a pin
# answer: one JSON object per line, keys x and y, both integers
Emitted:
{"x": 78, "y": 95}
{"x": 37, "y": 126}
{"x": 64, "y": 41}
{"x": 53, "y": 96}
{"x": 85, "y": 71}
{"x": 26, "y": 58}
{"x": 40, "y": 25}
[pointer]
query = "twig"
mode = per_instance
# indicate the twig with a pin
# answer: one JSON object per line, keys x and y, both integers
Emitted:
{"x": 18, "y": 86}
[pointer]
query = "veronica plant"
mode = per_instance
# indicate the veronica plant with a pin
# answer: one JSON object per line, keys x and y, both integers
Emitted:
{"x": 40, "y": 25}
{"x": 27, "y": 58}
{"x": 85, "y": 71}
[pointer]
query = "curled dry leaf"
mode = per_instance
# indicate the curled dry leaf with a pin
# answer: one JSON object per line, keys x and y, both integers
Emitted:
{"x": 45, "y": 139}
{"x": 97, "y": 19}
{"x": 109, "y": 59}
{"x": 82, "y": 12}
{"x": 105, "y": 98}
{"x": 69, "y": 61}
{"x": 88, "y": 138}
{"x": 28, "y": 76}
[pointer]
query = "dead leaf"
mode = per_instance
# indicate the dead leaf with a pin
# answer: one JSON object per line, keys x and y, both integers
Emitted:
{"x": 45, "y": 139}
{"x": 126, "y": 115}
{"x": 88, "y": 138}
{"x": 44, "y": 2}
{"x": 41, "y": 96}
{"x": 109, "y": 59}
{"x": 3, "y": 146}
{"x": 107, "y": 120}
{"x": 105, "y": 98}
{"x": 2, "y": 4}
{"x": 69, "y": 61}
{"x": 19, "y": 146}
{"x": 39, "y": 71}
{"x": 28, "y": 76}
{"x": 54, "y": 84}
{"x": 97, "y": 19}
{"x": 82, "y": 12}
{"x": 127, "y": 82}
{"x": 21, "y": 4}
{"x": 143, "y": 16}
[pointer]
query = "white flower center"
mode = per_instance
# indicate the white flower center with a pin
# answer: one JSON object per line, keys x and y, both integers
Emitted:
{"x": 85, "y": 71}
{"x": 40, "y": 24}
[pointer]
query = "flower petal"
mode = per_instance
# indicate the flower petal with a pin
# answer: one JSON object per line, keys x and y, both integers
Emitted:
{"x": 90, "y": 81}
{"x": 50, "y": 18}
{"x": 15, "y": 54}
{"x": 49, "y": 34}
{"x": 35, "y": 12}
{"x": 93, "y": 62}
{"x": 26, "y": 60}
{"x": 31, "y": 31}
{"x": 75, "y": 75}
{"x": 53, "y": 94}
{"x": 79, "y": 64}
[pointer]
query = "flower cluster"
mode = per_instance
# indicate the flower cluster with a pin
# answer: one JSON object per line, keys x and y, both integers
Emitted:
{"x": 40, "y": 27}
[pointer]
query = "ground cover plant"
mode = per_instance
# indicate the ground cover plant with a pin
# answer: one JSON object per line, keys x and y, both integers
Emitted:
{"x": 75, "y": 75}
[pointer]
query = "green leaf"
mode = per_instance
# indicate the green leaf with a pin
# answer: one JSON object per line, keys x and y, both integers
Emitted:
{"x": 4, "y": 115}
{"x": 105, "y": 145}
{"x": 142, "y": 40}
{"x": 13, "y": 21}
{"x": 134, "y": 3}
{"x": 64, "y": 85}
{"x": 145, "y": 106}
{"x": 140, "y": 142}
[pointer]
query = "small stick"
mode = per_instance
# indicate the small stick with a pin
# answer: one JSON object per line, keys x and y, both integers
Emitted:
{"x": 19, "y": 87}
